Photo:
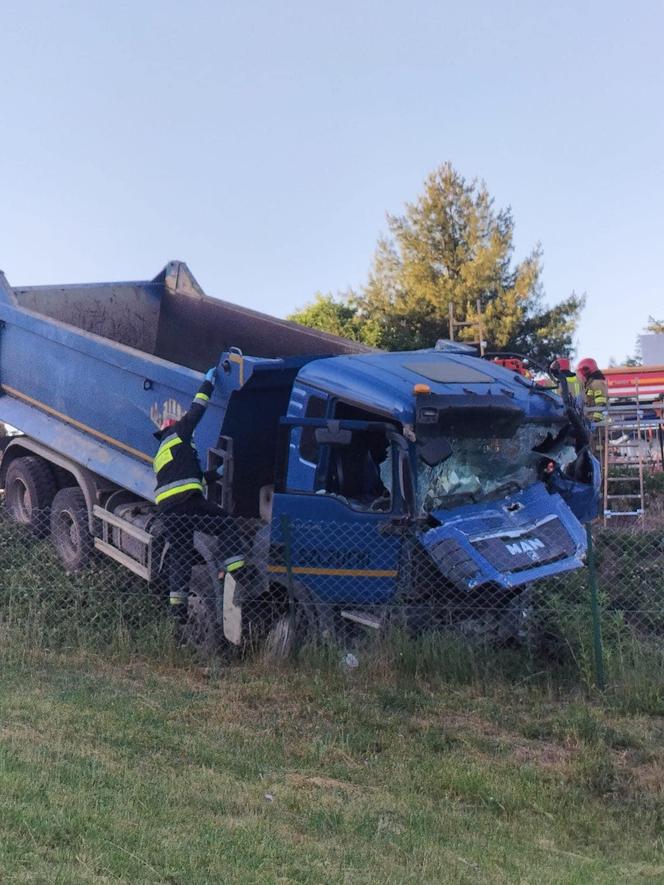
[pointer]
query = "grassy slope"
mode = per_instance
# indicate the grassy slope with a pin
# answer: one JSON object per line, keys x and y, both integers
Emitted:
{"x": 132, "y": 773}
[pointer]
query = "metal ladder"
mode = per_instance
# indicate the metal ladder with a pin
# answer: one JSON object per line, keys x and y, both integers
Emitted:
{"x": 460, "y": 324}
{"x": 625, "y": 486}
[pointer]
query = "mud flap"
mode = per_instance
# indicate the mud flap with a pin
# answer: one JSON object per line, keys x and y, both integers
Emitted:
{"x": 232, "y": 613}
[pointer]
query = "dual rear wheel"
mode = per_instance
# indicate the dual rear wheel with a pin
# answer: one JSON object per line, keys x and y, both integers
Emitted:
{"x": 70, "y": 531}
{"x": 32, "y": 499}
{"x": 29, "y": 492}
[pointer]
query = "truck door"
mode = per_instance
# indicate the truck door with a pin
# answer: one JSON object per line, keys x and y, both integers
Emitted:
{"x": 338, "y": 506}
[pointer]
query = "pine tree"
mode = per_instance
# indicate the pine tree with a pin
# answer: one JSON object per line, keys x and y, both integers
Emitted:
{"x": 452, "y": 246}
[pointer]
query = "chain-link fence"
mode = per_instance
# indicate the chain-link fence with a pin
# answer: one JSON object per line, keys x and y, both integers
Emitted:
{"x": 221, "y": 585}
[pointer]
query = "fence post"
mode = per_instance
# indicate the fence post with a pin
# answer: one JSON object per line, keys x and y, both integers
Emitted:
{"x": 594, "y": 607}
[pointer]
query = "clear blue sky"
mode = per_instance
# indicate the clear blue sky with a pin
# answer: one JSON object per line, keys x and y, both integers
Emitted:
{"x": 263, "y": 142}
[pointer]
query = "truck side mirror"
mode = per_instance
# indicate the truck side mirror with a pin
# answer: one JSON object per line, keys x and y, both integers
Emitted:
{"x": 435, "y": 450}
{"x": 333, "y": 435}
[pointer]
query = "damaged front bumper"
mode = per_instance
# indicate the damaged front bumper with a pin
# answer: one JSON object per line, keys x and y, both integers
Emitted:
{"x": 526, "y": 537}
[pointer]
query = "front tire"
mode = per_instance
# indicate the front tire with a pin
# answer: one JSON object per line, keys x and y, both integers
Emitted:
{"x": 295, "y": 626}
{"x": 281, "y": 640}
{"x": 70, "y": 532}
{"x": 200, "y": 630}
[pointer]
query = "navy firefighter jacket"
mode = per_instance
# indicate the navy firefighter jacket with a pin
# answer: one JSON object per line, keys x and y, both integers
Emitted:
{"x": 176, "y": 465}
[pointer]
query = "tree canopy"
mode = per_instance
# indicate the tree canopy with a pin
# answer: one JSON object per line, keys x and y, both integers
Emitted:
{"x": 330, "y": 314}
{"x": 451, "y": 246}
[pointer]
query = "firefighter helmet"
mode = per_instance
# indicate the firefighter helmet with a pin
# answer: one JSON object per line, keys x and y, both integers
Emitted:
{"x": 560, "y": 364}
{"x": 586, "y": 367}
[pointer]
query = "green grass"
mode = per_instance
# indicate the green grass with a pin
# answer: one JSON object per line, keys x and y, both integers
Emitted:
{"x": 104, "y": 607}
{"x": 136, "y": 772}
{"x": 438, "y": 760}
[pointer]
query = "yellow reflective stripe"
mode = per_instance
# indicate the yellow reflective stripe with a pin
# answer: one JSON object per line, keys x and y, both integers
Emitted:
{"x": 342, "y": 572}
{"x": 234, "y": 566}
{"x": 77, "y": 424}
{"x": 202, "y": 396}
{"x": 162, "y": 458}
{"x": 164, "y": 455}
{"x": 239, "y": 359}
{"x": 177, "y": 490}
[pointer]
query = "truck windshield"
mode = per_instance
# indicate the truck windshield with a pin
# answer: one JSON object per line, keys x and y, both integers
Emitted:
{"x": 485, "y": 466}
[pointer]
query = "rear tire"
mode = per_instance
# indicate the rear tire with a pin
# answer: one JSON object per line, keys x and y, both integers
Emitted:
{"x": 29, "y": 492}
{"x": 70, "y": 532}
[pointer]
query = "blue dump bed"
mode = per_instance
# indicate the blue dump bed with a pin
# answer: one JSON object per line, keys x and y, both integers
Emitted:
{"x": 91, "y": 370}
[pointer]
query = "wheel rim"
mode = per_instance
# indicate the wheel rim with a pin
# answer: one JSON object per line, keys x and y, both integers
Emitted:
{"x": 280, "y": 640}
{"x": 69, "y": 533}
{"x": 198, "y": 631}
{"x": 22, "y": 501}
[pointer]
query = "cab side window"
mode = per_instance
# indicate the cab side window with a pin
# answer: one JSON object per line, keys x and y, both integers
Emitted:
{"x": 361, "y": 472}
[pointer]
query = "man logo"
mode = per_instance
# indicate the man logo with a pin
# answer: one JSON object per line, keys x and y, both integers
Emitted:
{"x": 531, "y": 546}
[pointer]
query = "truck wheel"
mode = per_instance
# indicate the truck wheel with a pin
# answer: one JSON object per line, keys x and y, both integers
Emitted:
{"x": 70, "y": 532}
{"x": 200, "y": 630}
{"x": 292, "y": 629}
{"x": 29, "y": 491}
{"x": 281, "y": 639}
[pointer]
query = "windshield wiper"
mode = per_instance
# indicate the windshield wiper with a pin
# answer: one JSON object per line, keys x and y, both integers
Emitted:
{"x": 470, "y": 495}
{"x": 511, "y": 486}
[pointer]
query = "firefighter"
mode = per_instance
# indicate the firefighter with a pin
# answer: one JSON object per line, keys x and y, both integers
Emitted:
{"x": 596, "y": 391}
{"x": 561, "y": 366}
{"x": 180, "y": 499}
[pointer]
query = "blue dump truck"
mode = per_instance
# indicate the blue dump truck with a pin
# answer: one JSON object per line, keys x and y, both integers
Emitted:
{"x": 429, "y": 481}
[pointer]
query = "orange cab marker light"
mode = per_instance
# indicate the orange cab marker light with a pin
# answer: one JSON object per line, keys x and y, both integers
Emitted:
{"x": 421, "y": 388}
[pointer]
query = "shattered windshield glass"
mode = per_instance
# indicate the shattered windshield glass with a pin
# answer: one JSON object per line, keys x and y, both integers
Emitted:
{"x": 486, "y": 466}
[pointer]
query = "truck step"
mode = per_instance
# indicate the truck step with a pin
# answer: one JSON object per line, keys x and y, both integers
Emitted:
{"x": 123, "y": 558}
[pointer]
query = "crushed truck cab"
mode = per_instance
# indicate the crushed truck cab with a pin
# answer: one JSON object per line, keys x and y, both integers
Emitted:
{"x": 479, "y": 467}
{"x": 432, "y": 480}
